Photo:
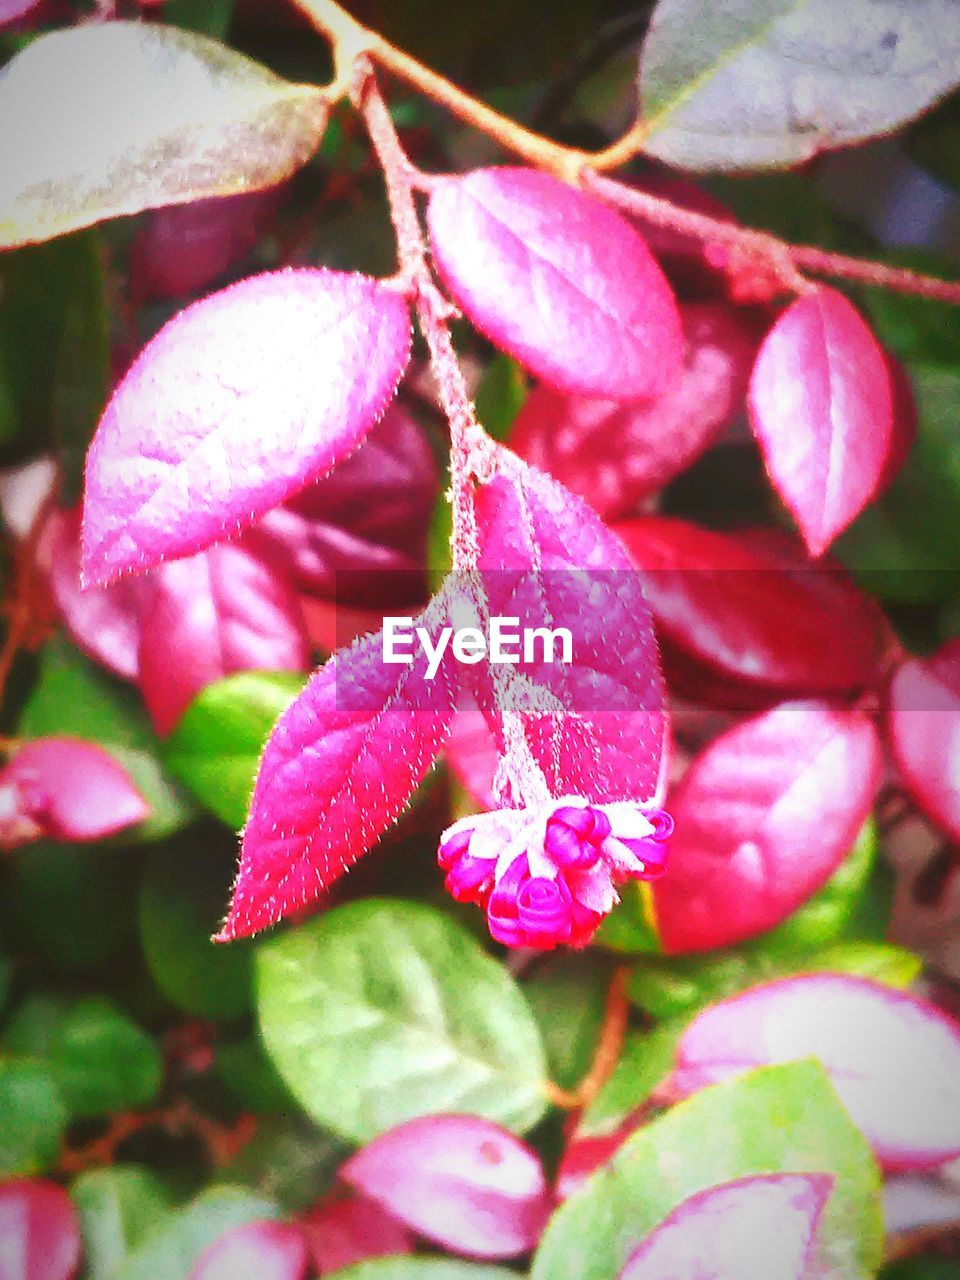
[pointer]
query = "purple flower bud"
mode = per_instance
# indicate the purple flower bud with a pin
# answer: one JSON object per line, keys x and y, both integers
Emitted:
{"x": 503, "y": 919}
{"x": 574, "y": 836}
{"x": 653, "y": 853}
{"x": 452, "y": 849}
{"x": 662, "y": 823}
{"x": 543, "y": 908}
{"x": 471, "y": 879}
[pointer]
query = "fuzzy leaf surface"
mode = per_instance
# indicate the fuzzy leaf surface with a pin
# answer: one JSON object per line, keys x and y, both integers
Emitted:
{"x": 557, "y": 279}
{"x": 339, "y": 767}
{"x": 181, "y": 456}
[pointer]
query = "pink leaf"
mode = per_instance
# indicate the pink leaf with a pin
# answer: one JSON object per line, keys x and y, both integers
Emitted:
{"x": 68, "y": 790}
{"x": 463, "y": 1182}
{"x": 471, "y": 751}
{"x": 237, "y": 403}
{"x": 613, "y": 453}
{"x": 821, "y": 405}
{"x": 342, "y": 762}
{"x": 360, "y": 533}
{"x": 893, "y": 1059}
{"x": 923, "y": 724}
{"x": 557, "y": 279}
{"x": 763, "y": 818}
{"x": 255, "y": 1251}
{"x": 752, "y": 1229}
{"x": 184, "y": 248}
{"x": 753, "y": 611}
{"x": 547, "y": 559}
{"x": 39, "y": 1231}
{"x": 351, "y": 1229}
{"x": 104, "y": 621}
{"x": 221, "y": 611}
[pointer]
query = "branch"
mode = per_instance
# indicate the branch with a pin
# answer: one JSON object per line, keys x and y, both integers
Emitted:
{"x": 351, "y": 40}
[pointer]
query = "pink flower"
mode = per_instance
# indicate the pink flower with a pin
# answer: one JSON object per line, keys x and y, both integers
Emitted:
{"x": 546, "y": 876}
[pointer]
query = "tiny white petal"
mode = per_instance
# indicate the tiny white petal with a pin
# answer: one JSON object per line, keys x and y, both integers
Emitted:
{"x": 627, "y": 821}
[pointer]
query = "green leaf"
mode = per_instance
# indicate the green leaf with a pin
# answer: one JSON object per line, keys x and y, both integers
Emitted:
{"x": 103, "y": 1061}
{"x": 646, "y": 1061}
{"x": 775, "y": 1120}
{"x": 29, "y": 1030}
{"x": 921, "y": 331}
{"x": 175, "y": 1244}
{"x": 34, "y": 1118}
{"x": 290, "y": 1160}
{"x": 182, "y": 900}
{"x": 118, "y": 1208}
{"x": 629, "y": 927}
{"x": 920, "y": 1269}
{"x": 828, "y": 913}
{"x": 55, "y": 346}
{"x": 249, "y": 1074}
{"x": 215, "y": 749}
{"x": 773, "y": 82}
{"x": 383, "y": 1010}
{"x": 568, "y": 995}
{"x": 500, "y": 395}
{"x": 401, "y": 1268}
{"x": 157, "y": 116}
{"x": 73, "y": 903}
{"x": 208, "y": 17}
{"x": 684, "y": 984}
{"x": 74, "y": 697}
{"x": 4, "y": 980}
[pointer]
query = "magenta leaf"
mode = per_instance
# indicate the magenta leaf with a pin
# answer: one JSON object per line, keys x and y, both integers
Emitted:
{"x": 237, "y": 403}
{"x": 763, "y": 818}
{"x": 359, "y": 534}
{"x": 210, "y": 615}
{"x": 821, "y": 405}
{"x": 547, "y": 559}
{"x": 923, "y": 724}
{"x": 463, "y": 1182}
{"x": 613, "y": 453}
{"x": 752, "y": 1229}
{"x": 557, "y": 279}
{"x": 184, "y": 248}
{"x": 255, "y": 1251}
{"x": 893, "y": 1059}
{"x": 104, "y": 621}
{"x": 752, "y": 612}
{"x": 471, "y": 751}
{"x": 68, "y": 790}
{"x": 39, "y": 1231}
{"x": 342, "y": 762}
{"x": 347, "y": 1229}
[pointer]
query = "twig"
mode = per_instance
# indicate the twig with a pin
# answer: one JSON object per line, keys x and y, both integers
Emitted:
{"x": 351, "y": 40}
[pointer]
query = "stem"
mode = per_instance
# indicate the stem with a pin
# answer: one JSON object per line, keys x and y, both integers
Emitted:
{"x": 351, "y": 40}
{"x": 607, "y": 1053}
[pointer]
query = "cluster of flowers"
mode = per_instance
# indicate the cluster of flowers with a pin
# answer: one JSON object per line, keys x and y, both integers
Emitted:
{"x": 547, "y": 876}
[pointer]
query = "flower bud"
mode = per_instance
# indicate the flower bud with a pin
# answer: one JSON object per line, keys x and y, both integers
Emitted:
{"x": 544, "y": 911}
{"x": 574, "y": 836}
